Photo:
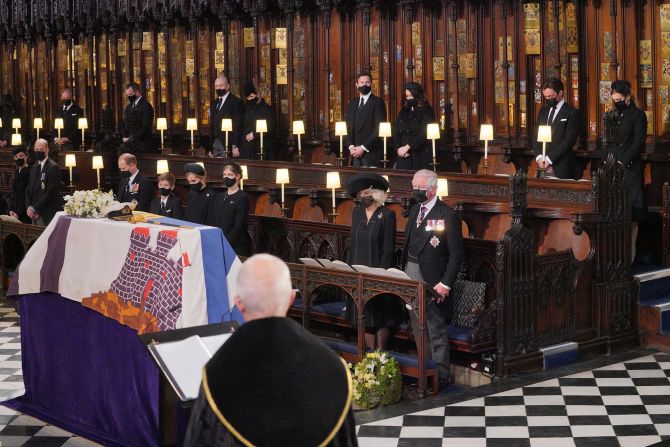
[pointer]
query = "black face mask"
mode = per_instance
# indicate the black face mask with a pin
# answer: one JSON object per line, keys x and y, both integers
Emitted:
{"x": 19, "y": 161}
{"x": 132, "y": 98}
{"x": 365, "y": 89}
{"x": 40, "y": 155}
{"x": 552, "y": 102}
{"x": 67, "y": 102}
{"x": 620, "y": 105}
{"x": 221, "y": 91}
{"x": 229, "y": 181}
{"x": 419, "y": 195}
{"x": 165, "y": 191}
{"x": 412, "y": 102}
{"x": 195, "y": 186}
{"x": 125, "y": 174}
{"x": 367, "y": 201}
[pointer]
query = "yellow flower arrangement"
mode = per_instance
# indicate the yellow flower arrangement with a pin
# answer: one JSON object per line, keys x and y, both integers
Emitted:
{"x": 377, "y": 380}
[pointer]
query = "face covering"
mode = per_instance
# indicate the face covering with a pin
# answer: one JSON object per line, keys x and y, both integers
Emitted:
{"x": 420, "y": 195}
{"x": 367, "y": 201}
{"x": 195, "y": 186}
{"x": 552, "y": 102}
{"x": 124, "y": 174}
{"x": 165, "y": 191}
{"x": 221, "y": 91}
{"x": 67, "y": 102}
{"x": 251, "y": 102}
{"x": 229, "y": 182}
{"x": 132, "y": 98}
{"x": 364, "y": 89}
{"x": 413, "y": 102}
{"x": 40, "y": 155}
{"x": 19, "y": 161}
{"x": 620, "y": 105}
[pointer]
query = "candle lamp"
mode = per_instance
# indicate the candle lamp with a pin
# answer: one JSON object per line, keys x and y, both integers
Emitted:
{"x": 98, "y": 165}
{"x": 16, "y": 139}
{"x": 16, "y": 124}
{"x": 544, "y": 137}
{"x": 37, "y": 125}
{"x": 162, "y": 167}
{"x": 433, "y": 133}
{"x": 299, "y": 129}
{"x": 192, "y": 126}
{"x": 341, "y": 131}
{"x": 58, "y": 125}
{"x": 261, "y": 128}
{"x": 70, "y": 162}
{"x": 83, "y": 125}
{"x": 282, "y": 179}
{"x": 161, "y": 125}
{"x": 385, "y": 132}
{"x": 486, "y": 134}
{"x": 442, "y": 188}
{"x": 245, "y": 175}
{"x": 332, "y": 183}
{"x": 226, "y": 126}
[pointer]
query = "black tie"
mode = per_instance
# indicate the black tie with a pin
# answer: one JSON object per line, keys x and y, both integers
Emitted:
{"x": 361, "y": 104}
{"x": 162, "y": 206}
{"x": 218, "y": 107}
{"x": 551, "y": 116}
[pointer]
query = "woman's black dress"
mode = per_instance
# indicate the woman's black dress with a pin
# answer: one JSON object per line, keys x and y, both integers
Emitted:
{"x": 199, "y": 207}
{"x": 410, "y": 128}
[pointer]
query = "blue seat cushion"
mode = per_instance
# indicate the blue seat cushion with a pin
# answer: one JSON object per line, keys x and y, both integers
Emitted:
{"x": 460, "y": 333}
{"x": 403, "y": 359}
{"x": 336, "y": 308}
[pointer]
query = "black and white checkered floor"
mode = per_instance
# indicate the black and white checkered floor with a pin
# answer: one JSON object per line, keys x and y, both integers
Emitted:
{"x": 626, "y": 404}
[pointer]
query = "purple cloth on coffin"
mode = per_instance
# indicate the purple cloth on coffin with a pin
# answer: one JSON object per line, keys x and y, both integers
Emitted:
{"x": 73, "y": 360}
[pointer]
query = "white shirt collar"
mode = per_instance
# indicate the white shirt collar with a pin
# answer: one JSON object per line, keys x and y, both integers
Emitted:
{"x": 429, "y": 205}
{"x": 42, "y": 163}
{"x": 132, "y": 177}
{"x": 136, "y": 101}
{"x": 66, "y": 108}
{"x": 224, "y": 97}
{"x": 559, "y": 105}
{"x": 365, "y": 97}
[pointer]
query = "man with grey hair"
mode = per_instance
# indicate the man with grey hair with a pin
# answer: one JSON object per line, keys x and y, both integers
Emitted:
{"x": 433, "y": 254}
{"x": 225, "y": 105}
{"x": 43, "y": 199}
{"x": 272, "y": 383}
{"x": 70, "y": 112}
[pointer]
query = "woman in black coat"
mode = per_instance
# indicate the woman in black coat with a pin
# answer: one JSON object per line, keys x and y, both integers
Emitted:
{"x": 200, "y": 197}
{"x": 628, "y": 133}
{"x": 231, "y": 209}
{"x": 372, "y": 243}
{"x": 409, "y": 137}
{"x": 17, "y": 201}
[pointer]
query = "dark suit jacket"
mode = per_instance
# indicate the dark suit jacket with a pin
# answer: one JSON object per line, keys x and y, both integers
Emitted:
{"x": 143, "y": 192}
{"x": 17, "y": 201}
{"x": 230, "y": 214}
{"x": 71, "y": 129}
{"x": 438, "y": 262}
{"x": 172, "y": 207}
{"x": 564, "y": 133}
{"x": 363, "y": 128}
{"x": 137, "y": 124}
{"x": 45, "y": 200}
{"x": 232, "y": 108}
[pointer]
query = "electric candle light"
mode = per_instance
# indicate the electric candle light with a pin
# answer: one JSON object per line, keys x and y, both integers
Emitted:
{"x": 385, "y": 132}
{"x": 442, "y": 188}
{"x": 16, "y": 124}
{"x": 192, "y": 125}
{"x": 486, "y": 134}
{"x": 282, "y": 179}
{"x": 83, "y": 125}
{"x": 161, "y": 124}
{"x": 58, "y": 125}
{"x": 245, "y": 175}
{"x": 98, "y": 165}
{"x": 433, "y": 133}
{"x": 16, "y": 139}
{"x": 261, "y": 128}
{"x": 341, "y": 131}
{"x": 226, "y": 126}
{"x": 162, "y": 167}
{"x": 70, "y": 162}
{"x": 544, "y": 137}
{"x": 37, "y": 124}
{"x": 299, "y": 129}
{"x": 332, "y": 183}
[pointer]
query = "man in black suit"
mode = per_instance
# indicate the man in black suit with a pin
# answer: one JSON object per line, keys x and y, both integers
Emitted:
{"x": 70, "y": 112}
{"x": 433, "y": 254}
{"x": 138, "y": 117}
{"x": 564, "y": 122}
{"x": 43, "y": 193}
{"x": 133, "y": 185}
{"x": 225, "y": 105}
{"x": 363, "y": 117}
